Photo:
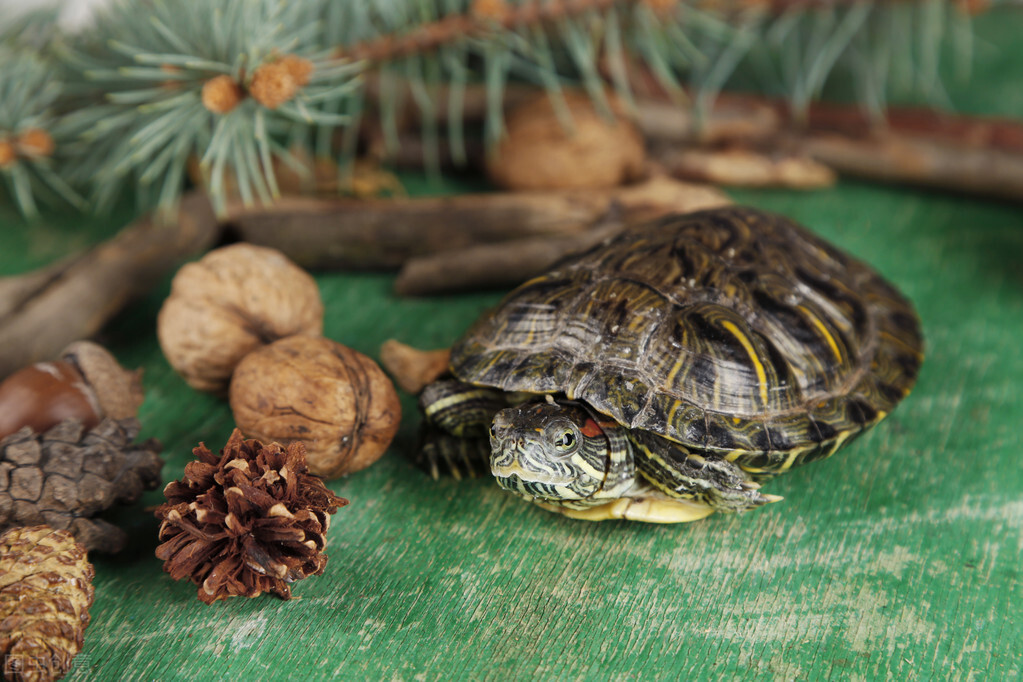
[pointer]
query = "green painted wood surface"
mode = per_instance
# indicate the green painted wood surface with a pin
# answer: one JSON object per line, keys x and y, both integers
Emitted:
{"x": 899, "y": 558}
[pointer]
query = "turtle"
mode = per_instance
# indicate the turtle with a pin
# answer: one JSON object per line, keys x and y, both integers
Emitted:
{"x": 671, "y": 370}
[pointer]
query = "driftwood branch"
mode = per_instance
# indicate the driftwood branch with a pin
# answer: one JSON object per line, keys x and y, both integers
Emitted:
{"x": 492, "y": 266}
{"x": 509, "y": 263}
{"x": 43, "y": 311}
{"x": 486, "y": 18}
{"x": 384, "y": 234}
{"x": 980, "y": 155}
{"x": 961, "y": 153}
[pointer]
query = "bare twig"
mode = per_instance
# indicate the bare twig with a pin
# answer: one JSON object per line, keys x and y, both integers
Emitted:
{"x": 486, "y": 17}
{"x": 383, "y": 234}
{"x": 508, "y": 263}
{"x": 43, "y": 311}
{"x": 457, "y": 27}
{"x": 963, "y": 153}
{"x": 746, "y": 168}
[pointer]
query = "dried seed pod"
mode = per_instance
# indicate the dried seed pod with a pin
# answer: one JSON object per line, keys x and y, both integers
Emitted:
{"x": 411, "y": 367}
{"x": 539, "y": 152}
{"x": 235, "y": 299}
{"x": 68, "y": 474}
{"x": 86, "y": 384}
{"x": 337, "y": 401}
{"x": 248, "y": 521}
{"x": 45, "y": 594}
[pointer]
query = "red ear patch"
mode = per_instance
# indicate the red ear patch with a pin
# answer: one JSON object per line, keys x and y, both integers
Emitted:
{"x": 591, "y": 429}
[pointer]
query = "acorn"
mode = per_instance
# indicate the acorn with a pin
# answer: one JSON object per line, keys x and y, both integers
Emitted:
{"x": 86, "y": 383}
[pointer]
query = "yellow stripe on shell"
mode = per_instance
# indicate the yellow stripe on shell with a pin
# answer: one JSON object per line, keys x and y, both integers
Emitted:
{"x": 752, "y": 352}
{"x": 815, "y": 321}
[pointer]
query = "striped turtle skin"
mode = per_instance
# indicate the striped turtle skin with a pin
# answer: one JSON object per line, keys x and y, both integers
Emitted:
{"x": 732, "y": 332}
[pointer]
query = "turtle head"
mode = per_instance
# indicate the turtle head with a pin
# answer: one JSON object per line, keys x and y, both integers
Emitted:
{"x": 558, "y": 452}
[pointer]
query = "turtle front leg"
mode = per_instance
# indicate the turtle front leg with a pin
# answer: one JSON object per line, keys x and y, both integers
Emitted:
{"x": 441, "y": 454}
{"x": 714, "y": 481}
{"x": 455, "y": 435}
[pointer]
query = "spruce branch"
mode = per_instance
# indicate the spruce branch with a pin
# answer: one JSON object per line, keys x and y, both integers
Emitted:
{"x": 229, "y": 82}
{"x": 237, "y": 84}
{"x": 30, "y": 134}
{"x": 792, "y": 47}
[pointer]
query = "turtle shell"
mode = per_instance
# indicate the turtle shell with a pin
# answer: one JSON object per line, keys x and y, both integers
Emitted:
{"x": 731, "y": 331}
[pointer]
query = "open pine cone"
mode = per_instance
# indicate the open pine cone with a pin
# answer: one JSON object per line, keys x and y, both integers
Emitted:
{"x": 248, "y": 521}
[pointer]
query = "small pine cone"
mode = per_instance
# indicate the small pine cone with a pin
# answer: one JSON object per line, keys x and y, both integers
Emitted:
{"x": 248, "y": 521}
{"x": 45, "y": 594}
{"x": 301, "y": 69}
{"x": 490, "y": 10}
{"x": 36, "y": 142}
{"x": 67, "y": 474}
{"x": 8, "y": 154}
{"x": 221, "y": 94}
{"x": 274, "y": 83}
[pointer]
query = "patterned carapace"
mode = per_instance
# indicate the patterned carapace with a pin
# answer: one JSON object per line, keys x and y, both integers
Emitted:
{"x": 732, "y": 331}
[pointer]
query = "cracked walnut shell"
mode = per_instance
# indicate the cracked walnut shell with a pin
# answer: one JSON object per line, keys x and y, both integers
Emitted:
{"x": 335, "y": 400}
{"x": 232, "y": 301}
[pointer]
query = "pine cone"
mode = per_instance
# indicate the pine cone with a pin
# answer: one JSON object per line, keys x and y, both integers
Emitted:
{"x": 66, "y": 475}
{"x": 248, "y": 521}
{"x": 45, "y": 594}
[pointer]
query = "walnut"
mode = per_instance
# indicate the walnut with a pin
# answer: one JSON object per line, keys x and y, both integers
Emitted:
{"x": 336, "y": 401}
{"x": 235, "y": 299}
{"x": 539, "y": 152}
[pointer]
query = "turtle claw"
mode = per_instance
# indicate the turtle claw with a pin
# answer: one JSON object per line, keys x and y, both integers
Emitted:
{"x": 442, "y": 455}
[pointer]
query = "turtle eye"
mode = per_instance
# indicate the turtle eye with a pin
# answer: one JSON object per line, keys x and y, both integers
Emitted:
{"x": 565, "y": 442}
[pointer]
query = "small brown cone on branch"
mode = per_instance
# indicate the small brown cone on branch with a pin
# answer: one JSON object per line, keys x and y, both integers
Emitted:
{"x": 274, "y": 83}
{"x": 221, "y": 94}
{"x": 36, "y": 142}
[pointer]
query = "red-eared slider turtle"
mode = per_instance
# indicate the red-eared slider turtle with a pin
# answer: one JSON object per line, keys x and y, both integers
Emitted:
{"x": 666, "y": 373}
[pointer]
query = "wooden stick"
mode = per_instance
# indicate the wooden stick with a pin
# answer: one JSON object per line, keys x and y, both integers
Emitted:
{"x": 383, "y": 234}
{"x": 918, "y": 146}
{"x": 921, "y": 161}
{"x": 42, "y": 311}
{"x": 962, "y": 153}
{"x": 741, "y": 167}
{"x": 492, "y": 266}
{"x": 486, "y": 18}
{"x": 506, "y": 264}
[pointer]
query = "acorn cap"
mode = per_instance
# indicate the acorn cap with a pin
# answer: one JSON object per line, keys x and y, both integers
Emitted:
{"x": 118, "y": 391}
